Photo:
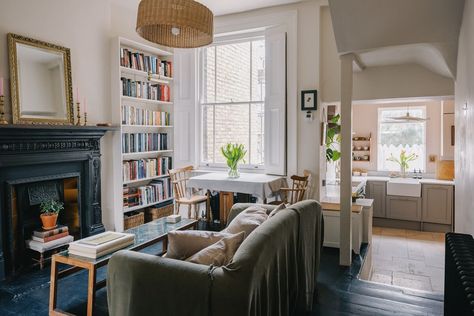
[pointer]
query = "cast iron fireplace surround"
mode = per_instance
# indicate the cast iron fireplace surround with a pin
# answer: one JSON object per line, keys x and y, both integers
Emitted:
{"x": 29, "y": 153}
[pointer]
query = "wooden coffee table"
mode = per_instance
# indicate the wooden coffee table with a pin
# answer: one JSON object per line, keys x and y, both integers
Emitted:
{"x": 145, "y": 235}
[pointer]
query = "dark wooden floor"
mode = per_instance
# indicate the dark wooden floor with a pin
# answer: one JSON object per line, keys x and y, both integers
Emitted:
{"x": 339, "y": 293}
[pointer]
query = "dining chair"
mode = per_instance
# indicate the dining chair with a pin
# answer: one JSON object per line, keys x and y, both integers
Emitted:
{"x": 297, "y": 191}
{"x": 188, "y": 196}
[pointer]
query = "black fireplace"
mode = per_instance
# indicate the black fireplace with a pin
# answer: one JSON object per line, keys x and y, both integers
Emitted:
{"x": 47, "y": 161}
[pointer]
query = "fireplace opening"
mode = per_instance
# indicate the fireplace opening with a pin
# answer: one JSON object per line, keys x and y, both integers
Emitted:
{"x": 25, "y": 218}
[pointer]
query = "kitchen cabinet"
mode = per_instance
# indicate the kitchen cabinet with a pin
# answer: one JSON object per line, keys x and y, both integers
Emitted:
{"x": 437, "y": 203}
{"x": 376, "y": 190}
{"x": 403, "y": 207}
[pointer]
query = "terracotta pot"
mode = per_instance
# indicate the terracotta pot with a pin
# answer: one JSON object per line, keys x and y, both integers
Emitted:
{"x": 49, "y": 221}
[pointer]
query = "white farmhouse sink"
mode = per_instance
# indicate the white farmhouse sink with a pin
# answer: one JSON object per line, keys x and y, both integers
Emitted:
{"x": 404, "y": 187}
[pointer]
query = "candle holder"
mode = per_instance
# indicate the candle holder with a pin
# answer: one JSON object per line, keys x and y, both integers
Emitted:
{"x": 85, "y": 118}
{"x": 3, "y": 121}
{"x": 78, "y": 110}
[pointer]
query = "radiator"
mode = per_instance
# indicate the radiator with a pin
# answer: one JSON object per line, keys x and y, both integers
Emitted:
{"x": 459, "y": 275}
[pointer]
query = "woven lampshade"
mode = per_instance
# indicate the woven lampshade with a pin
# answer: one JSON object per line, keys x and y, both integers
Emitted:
{"x": 175, "y": 23}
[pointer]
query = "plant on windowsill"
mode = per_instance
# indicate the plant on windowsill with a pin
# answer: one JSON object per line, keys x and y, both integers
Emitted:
{"x": 49, "y": 213}
{"x": 403, "y": 161}
{"x": 233, "y": 153}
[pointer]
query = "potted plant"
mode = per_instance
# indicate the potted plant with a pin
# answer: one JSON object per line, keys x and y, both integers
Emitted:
{"x": 233, "y": 153}
{"x": 403, "y": 161}
{"x": 49, "y": 213}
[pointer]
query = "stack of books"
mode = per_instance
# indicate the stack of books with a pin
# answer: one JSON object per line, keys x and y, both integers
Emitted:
{"x": 139, "y": 61}
{"x": 140, "y": 142}
{"x": 101, "y": 244}
{"x": 132, "y": 115}
{"x": 155, "y": 192}
{"x": 146, "y": 168}
{"x": 43, "y": 240}
{"x": 145, "y": 90}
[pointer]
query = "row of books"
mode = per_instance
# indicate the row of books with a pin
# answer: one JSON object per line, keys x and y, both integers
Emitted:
{"x": 140, "y": 142}
{"x": 145, "y": 168}
{"x": 100, "y": 245}
{"x": 150, "y": 64}
{"x": 132, "y": 115}
{"x": 158, "y": 190}
{"x": 145, "y": 90}
{"x": 42, "y": 239}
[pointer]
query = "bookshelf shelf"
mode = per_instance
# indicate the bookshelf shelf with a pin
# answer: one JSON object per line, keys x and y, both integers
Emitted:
{"x": 144, "y": 154}
{"x": 127, "y": 60}
{"x": 145, "y": 179}
{"x": 139, "y": 207}
{"x": 144, "y": 74}
{"x": 142, "y": 100}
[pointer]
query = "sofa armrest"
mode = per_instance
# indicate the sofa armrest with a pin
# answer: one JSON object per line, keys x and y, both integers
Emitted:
{"x": 240, "y": 207}
{"x": 142, "y": 284}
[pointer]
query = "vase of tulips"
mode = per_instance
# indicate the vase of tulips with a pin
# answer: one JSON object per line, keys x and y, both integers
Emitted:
{"x": 403, "y": 161}
{"x": 233, "y": 153}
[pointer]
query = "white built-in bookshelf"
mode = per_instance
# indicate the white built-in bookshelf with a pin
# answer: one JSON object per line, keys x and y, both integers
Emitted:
{"x": 142, "y": 105}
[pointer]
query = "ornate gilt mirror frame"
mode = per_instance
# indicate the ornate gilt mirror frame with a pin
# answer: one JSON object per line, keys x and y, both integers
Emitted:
{"x": 18, "y": 118}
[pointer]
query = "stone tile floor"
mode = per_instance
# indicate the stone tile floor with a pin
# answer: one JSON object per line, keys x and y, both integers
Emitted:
{"x": 407, "y": 258}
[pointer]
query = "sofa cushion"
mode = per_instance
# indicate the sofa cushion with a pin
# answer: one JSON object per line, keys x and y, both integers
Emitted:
{"x": 279, "y": 208}
{"x": 247, "y": 221}
{"x": 220, "y": 253}
{"x": 183, "y": 244}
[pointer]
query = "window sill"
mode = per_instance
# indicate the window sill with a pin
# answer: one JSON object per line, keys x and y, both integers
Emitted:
{"x": 207, "y": 169}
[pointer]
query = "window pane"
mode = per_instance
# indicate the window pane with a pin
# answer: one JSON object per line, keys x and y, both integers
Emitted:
{"x": 257, "y": 134}
{"x": 232, "y": 126}
{"x": 258, "y": 70}
{"x": 208, "y": 134}
{"x": 233, "y": 72}
{"x": 209, "y": 79}
{"x": 397, "y": 136}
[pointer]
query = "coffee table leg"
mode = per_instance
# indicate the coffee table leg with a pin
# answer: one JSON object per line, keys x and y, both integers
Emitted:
{"x": 53, "y": 291}
{"x": 91, "y": 290}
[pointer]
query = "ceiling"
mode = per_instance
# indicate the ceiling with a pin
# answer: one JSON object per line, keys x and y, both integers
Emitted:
{"x": 222, "y": 7}
{"x": 387, "y": 32}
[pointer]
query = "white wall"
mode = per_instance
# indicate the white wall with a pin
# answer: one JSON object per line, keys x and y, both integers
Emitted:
{"x": 396, "y": 81}
{"x": 365, "y": 122}
{"x": 464, "y": 149}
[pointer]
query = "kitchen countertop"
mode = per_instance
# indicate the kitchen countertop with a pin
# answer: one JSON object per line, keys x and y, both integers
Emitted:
{"x": 422, "y": 181}
{"x": 331, "y": 201}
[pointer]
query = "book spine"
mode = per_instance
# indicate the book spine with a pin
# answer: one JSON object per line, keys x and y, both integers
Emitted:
{"x": 49, "y": 233}
{"x": 51, "y": 238}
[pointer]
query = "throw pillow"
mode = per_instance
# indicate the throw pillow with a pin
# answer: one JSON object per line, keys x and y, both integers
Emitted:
{"x": 280, "y": 207}
{"x": 247, "y": 221}
{"x": 220, "y": 253}
{"x": 183, "y": 244}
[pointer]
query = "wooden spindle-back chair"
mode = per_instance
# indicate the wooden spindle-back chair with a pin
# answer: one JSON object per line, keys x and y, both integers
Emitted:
{"x": 187, "y": 196}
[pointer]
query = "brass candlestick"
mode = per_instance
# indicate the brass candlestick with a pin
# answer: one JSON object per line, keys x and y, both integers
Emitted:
{"x": 78, "y": 110}
{"x": 85, "y": 118}
{"x": 3, "y": 121}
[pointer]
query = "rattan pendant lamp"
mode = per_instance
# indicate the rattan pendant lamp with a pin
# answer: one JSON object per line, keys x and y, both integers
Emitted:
{"x": 175, "y": 23}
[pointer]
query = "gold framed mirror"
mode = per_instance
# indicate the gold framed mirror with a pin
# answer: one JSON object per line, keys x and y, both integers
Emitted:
{"x": 41, "y": 87}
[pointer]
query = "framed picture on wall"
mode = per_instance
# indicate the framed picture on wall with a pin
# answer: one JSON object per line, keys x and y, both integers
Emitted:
{"x": 309, "y": 100}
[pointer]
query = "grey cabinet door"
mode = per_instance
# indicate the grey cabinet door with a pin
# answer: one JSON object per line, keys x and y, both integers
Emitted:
{"x": 437, "y": 203}
{"x": 404, "y": 208}
{"x": 376, "y": 190}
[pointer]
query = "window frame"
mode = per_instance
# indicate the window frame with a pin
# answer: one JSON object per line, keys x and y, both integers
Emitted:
{"x": 379, "y": 130}
{"x": 219, "y": 41}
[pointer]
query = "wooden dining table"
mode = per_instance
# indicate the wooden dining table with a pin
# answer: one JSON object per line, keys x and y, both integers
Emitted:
{"x": 262, "y": 186}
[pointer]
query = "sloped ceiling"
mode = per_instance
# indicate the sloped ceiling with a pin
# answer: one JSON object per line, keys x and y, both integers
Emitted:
{"x": 387, "y": 32}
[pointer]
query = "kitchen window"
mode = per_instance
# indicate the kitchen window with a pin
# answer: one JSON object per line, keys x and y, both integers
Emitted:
{"x": 395, "y": 136}
{"x": 232, "y": 95}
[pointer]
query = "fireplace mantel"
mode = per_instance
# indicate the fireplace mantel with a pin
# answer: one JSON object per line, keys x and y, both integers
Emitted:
{"x": 32, "y": 151}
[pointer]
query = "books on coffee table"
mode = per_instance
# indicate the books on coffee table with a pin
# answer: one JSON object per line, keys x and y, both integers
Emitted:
{"x": 45, "y": 246}
{"x": 100, "y": 245}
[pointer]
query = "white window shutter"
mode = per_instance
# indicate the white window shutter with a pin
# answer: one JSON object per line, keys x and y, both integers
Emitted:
{"x": 275, "y": 102}
{"x": 184, "y": 106}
